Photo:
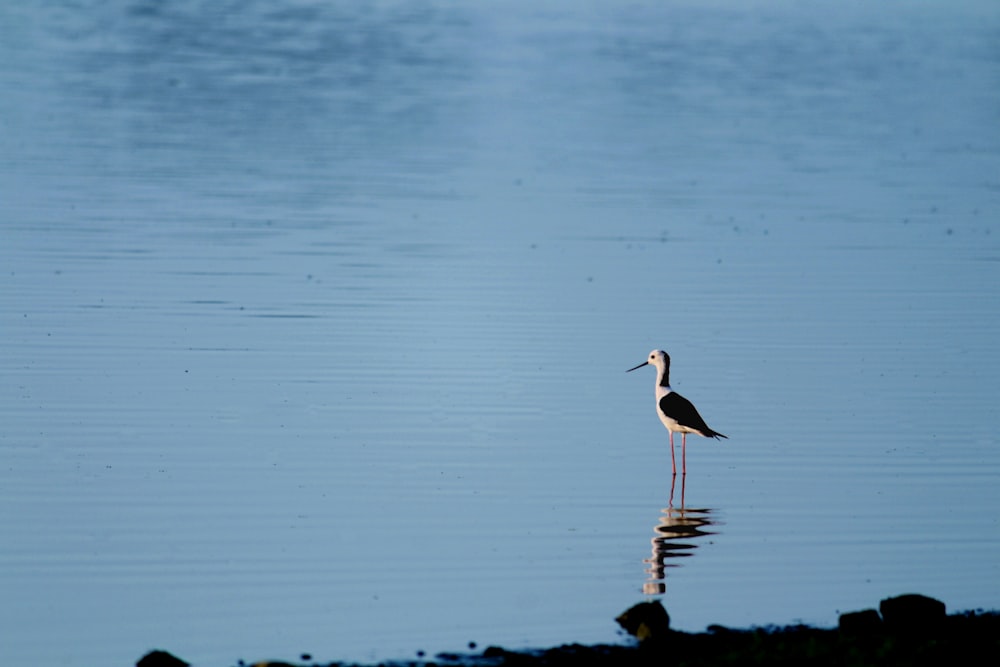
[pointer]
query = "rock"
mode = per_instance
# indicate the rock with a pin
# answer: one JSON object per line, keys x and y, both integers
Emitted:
{"x": 865, "y": 622}
{"x": 160, "y": 659}
{"x": 647, "y": 621}
{"x": 912, "y": 613}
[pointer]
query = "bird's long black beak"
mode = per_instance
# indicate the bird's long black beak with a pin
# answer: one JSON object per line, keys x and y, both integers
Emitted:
{"x": 645, "y": 363}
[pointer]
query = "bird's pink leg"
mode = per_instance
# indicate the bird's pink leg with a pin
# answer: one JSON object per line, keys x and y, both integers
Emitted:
{"x": 673, "y": 461}
{"x": 684, "y": 453}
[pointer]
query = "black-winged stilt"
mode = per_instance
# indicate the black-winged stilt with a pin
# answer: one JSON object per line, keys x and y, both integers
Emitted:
{"x": 676, "y": 412}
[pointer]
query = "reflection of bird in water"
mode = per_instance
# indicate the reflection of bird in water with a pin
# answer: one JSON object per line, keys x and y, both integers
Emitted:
{"x": 676, "y": 412}
{"x": 671, "y": 535}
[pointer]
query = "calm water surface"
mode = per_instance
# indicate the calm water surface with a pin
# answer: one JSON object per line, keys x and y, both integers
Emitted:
{"x": 315, "y": 321}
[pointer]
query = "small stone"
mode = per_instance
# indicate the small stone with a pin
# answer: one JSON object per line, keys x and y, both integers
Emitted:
{"x": 646, "y": 621}
{"x": 496, "y": 652}
{"x": 716, "y": 629}
{"x": 864, "y": 622}
{"x": 912, "y": 613}
{"x": 160, "y": 659}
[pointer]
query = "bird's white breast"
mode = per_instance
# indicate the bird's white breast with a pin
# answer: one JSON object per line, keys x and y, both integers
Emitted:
{"x": 671, "y": 424}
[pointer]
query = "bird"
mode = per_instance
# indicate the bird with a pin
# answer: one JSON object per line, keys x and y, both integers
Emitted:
{"x": 677, "y": 413}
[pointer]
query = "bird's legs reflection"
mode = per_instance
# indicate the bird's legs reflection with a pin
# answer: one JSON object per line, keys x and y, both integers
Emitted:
{"x": 672, "y": 536}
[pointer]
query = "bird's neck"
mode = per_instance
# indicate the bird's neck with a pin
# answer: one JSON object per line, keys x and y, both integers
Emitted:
{"x": 663, "y": 377}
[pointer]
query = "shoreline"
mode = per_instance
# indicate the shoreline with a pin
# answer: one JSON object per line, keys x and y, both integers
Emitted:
{"x": 909, "y": 629}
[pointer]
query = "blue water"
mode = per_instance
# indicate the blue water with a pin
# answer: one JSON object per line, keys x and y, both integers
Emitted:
{"x": 314, "y": 321}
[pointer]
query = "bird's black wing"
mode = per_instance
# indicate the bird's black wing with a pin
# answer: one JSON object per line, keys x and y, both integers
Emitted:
{"x": 683, "y": 411}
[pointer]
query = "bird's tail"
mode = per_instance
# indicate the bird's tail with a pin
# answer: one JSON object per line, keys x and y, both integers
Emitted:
{"x": 716, "y": 435}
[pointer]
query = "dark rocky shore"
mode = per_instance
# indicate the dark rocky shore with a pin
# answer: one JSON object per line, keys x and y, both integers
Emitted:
{"x": 906, "y": 630}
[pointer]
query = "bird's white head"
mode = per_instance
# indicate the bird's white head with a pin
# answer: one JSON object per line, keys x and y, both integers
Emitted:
{"x": 657, "y": 358}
